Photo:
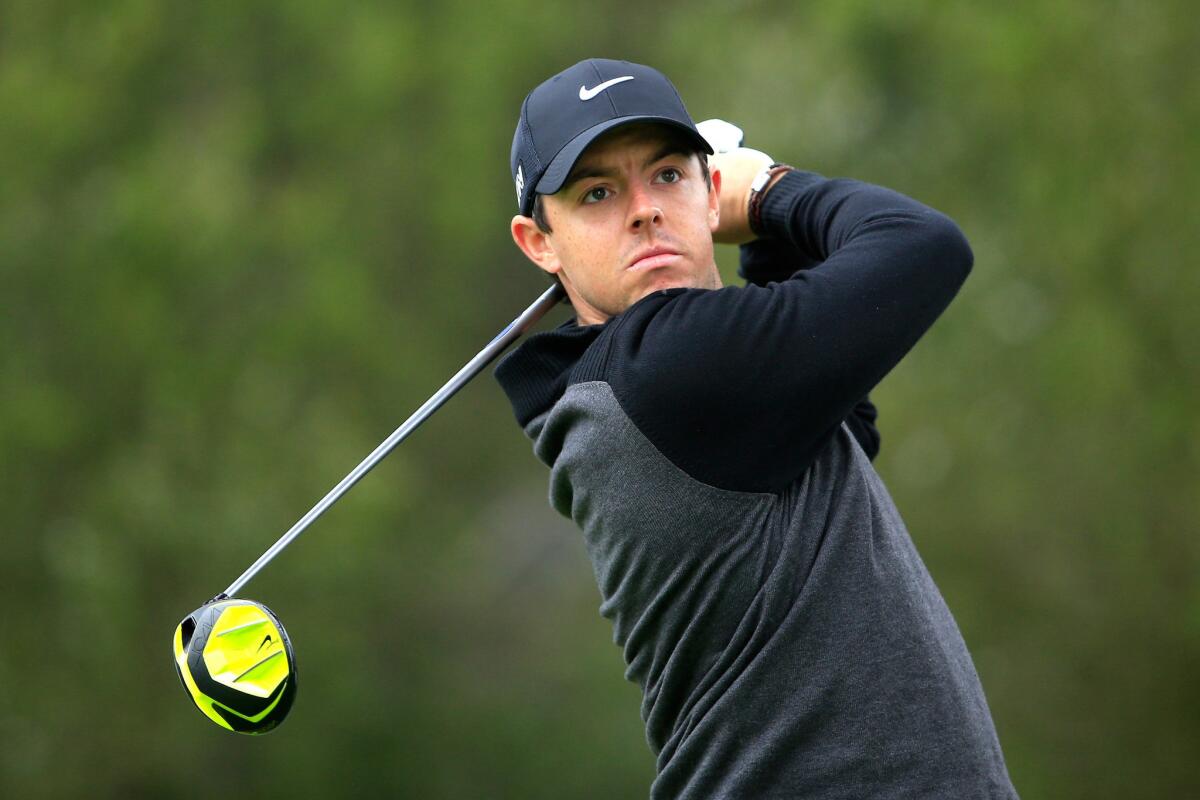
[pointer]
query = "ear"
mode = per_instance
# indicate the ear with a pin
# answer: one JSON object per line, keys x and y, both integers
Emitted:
{"x": 535, "y": 244}
{"x": 714, "y": 201}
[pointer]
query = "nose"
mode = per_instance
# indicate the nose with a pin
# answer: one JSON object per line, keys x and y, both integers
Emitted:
{"x": 643, "y": 210}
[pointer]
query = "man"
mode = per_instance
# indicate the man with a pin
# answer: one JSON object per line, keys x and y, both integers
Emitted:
{"x": 714, "y": 445}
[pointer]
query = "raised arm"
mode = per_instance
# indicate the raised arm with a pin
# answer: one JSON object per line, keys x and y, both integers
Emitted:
{"x": 763, "y": 261}
{"x": 742, "y": 386}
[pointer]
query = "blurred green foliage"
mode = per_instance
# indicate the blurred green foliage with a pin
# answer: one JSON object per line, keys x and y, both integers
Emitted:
{"x": 239, "y": 243}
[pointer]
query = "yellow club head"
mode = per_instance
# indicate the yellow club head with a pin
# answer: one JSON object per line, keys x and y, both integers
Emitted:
{"x": 236, "y": 663}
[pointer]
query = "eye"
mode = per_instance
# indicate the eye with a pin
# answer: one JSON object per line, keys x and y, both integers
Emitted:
{"x": 670, "y": 175}
{"x": 595, "y": 194}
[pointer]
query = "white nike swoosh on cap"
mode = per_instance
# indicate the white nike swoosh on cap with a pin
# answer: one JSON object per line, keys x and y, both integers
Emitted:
{"x": 587, "y": 94}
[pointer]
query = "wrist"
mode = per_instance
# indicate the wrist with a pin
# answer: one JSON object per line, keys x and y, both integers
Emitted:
{"x": 759, "y": 187}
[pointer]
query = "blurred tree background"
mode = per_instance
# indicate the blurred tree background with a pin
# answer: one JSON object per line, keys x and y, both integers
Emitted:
{"x": 240, "y": 242}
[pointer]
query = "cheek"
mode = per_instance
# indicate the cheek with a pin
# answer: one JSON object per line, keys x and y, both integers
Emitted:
{"x": 585, "y": 259}
{"x": 702, "y": 228}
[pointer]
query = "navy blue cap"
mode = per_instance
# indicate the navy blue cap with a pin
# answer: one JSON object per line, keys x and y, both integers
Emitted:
{"x": 566, "y": 113}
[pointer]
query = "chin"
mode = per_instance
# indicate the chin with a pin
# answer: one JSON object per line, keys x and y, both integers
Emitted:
{"x": 668, "y": 280}
{"x": 651, "y": 287}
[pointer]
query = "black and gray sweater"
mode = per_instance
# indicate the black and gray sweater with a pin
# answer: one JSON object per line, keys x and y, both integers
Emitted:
{"x": 715, "y": 448}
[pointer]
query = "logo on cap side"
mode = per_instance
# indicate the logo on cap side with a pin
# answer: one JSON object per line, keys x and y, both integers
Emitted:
{"x": 587, "y": 94}
{"x": 520, "y": 183}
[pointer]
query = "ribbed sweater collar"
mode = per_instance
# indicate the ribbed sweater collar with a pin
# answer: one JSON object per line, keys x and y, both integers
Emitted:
{"x": 536, "y": 374}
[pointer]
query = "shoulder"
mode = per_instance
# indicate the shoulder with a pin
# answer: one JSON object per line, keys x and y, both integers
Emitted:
{"x": 671, "y": 335}
{"x": 682, "y": 365}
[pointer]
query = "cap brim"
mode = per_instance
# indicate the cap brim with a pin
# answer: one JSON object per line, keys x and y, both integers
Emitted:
{"x": 555, "y": 174}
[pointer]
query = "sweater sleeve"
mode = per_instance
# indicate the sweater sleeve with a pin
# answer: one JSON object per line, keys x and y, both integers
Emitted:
{"x": 741, "y": 387}
{"x": 861, "y": 423}
{"x": 762, "y": 261}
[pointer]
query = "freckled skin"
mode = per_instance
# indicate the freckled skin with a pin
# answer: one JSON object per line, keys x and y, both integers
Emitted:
{"x": 600, "y": 224}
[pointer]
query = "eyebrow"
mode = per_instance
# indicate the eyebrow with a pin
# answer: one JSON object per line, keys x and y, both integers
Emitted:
{"x": 587, "y": 171}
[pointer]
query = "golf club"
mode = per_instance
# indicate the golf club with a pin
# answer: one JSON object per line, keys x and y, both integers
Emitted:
{"x": 232, "y": 655}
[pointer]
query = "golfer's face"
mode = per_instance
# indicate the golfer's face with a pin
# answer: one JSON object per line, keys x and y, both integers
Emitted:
{"x": 635, "y": 216}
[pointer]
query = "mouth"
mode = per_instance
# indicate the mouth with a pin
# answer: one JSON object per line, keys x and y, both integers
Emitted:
{"x": 653, "y": 258}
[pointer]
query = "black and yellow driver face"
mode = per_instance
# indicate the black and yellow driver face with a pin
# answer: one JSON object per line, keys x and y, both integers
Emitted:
{"x": 236, "y": 663}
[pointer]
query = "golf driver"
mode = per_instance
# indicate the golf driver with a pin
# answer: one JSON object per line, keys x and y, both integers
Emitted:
{"x": 232, "y": 655}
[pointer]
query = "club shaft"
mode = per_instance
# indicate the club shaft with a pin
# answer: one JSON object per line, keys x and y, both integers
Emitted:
{"x": 515, "y": 329}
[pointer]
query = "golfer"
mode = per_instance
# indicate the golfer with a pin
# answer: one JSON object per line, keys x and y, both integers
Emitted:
{"x": 715, "y": 446}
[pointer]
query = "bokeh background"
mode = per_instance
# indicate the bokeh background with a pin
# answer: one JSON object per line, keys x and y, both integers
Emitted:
{"x": 240, "y": 242}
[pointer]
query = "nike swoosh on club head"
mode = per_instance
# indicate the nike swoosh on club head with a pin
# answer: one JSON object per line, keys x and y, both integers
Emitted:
{"x": 266, "y": 639}
{"x": 587, "y": 94}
